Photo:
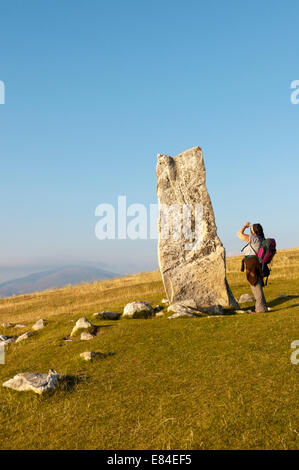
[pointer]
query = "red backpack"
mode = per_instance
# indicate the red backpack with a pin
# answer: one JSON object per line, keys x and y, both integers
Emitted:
{"x": 267, "y": 250}
{"x": 265, "y": 255}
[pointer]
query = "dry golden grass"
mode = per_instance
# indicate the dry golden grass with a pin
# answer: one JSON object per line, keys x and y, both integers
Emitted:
{"x": 90, "y": 297}
{"x": 195, "y": 383}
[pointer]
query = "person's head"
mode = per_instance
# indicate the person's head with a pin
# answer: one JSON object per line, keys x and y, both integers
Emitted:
{"x": 257, "y": 229}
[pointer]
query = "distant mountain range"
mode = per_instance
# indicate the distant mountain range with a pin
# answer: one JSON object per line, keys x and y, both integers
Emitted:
{"x": 53, "y": 278}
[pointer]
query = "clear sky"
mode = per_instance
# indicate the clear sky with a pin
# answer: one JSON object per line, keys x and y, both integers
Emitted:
{"x": 95, "y": 89}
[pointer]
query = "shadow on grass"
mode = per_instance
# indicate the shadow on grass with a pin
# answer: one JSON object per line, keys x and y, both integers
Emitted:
{"x": 282, "y": 300}
{"x": 69, "y": 382}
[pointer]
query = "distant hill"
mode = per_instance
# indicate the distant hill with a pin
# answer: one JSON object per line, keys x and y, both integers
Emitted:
{"x": 54, "y": 278}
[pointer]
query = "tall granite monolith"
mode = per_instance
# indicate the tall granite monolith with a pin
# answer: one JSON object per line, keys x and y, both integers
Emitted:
{"x": 191, "y": 255}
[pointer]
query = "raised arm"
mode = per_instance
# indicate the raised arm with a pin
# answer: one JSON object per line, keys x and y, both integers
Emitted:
{"x": 241, "y": 233}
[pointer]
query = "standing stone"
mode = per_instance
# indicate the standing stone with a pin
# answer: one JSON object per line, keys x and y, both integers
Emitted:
{"x": 192, "y": 264}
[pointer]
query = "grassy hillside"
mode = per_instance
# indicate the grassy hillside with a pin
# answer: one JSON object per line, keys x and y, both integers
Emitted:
{"x": 202, "y": 383}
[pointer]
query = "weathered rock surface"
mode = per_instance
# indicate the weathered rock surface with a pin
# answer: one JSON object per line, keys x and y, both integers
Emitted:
{"x": 82, "y": 324}
{"x": 34, "y": 381}
{"x": 246, "y": 298}
{"x": 85, "y": 336}
{"x": 182, "y": 310}
{"x": 107, "y": 315}
{"x": 24, "y": 336}
{"x": 138, "y": 310}
{"x": 192, "y": 266}
{"x": 39, "y": 325}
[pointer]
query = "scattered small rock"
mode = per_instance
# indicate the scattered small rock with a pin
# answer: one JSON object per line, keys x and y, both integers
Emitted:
{"x": 246, "y": 298}
{"x": 88, "y": 355}
{"x": 282, "y": 296}
{"x": 24, "y": 336}
{"x": 182, "y": 310}
{"x": 19, "y": 325}
{"x": 164, "y": 301}
{"x": 160, "y": 314}
{"x": 269, "y": 309}
{"x": 34, "y": 381}
{"x": 214, "y": 309}
{"x": 107, "y": 315}
{"x": 85, "y": 336}
{"x": 7, "y": 325}
{"x": 138, "y": 310}
{"x": 3, "y": 337}
{"x": 8, "y": 340}
{"x": 82, "y": 324}
{"x": 39, "y": 325}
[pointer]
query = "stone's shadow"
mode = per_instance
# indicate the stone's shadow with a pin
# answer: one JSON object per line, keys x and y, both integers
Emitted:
{"x": 286, "y": 308}
{"x": 281, "y": 300}
{"x": 100, "y": 355}
{"x": 69, "y": 382}
{"x": 229, "y": 312}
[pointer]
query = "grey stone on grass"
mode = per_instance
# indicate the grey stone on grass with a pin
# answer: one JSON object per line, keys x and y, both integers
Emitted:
{"x": 82, "y": 324}
{"x": 33, "y": 381}
{"x": 7, "y": 325}
{"x": 88, "y": 355}
{"x": 86, "y": 336}
{"x": 39, "y": 325}
{"x": 6, "y": 339}
{"x": 24, "y": 336}
{"x": 107, "y": 315}
{"x": 246, "y": 298}
{"x": 138, "y": 310}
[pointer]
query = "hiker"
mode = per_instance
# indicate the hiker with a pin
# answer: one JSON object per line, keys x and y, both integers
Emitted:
{"x": 252, "y": 263}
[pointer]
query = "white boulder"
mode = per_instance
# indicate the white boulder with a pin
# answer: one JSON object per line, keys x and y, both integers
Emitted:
{"x": 85, "y": 336}
{"x": 88, "y": 355}
{"x": 34, "y": 381}
{"x": 39, "y": 325}
{"x": 82, "y": 324}
{"x": 138, "y": 310}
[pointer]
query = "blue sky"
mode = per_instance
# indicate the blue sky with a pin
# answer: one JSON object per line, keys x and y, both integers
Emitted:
{"x": 95, "y": 90}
